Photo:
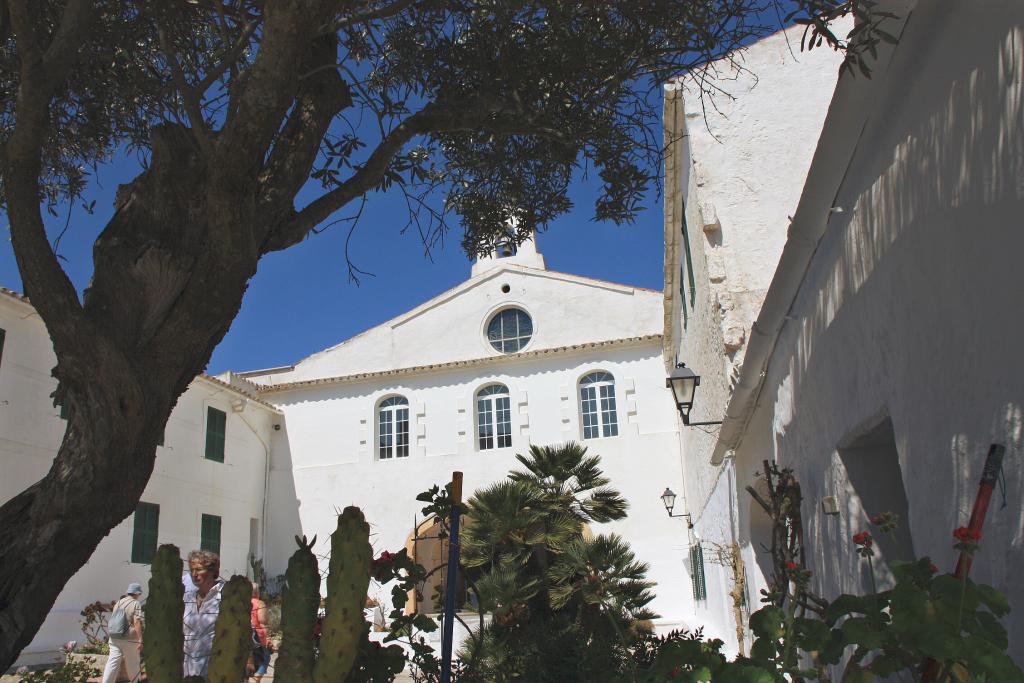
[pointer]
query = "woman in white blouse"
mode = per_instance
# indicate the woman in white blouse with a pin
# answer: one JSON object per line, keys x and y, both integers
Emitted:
{"x": 202, "y": 605}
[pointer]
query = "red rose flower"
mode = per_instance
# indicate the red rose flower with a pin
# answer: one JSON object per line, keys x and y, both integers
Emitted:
{"x": 792, "y": 566}
{"x": 381, "y": 563}
{"x": 863, "y": 538}
{"x": 877, "y": 519}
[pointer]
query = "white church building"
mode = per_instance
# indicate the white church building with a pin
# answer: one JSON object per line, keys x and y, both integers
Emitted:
{"x": 516, "y": 355}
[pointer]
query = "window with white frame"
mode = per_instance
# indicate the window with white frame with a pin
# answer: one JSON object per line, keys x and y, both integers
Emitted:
{"x": 493, "y": 417}
{"x": 597, "y": 406}
{"x": 393, "y": 428}
{"x": 510, "y": 330}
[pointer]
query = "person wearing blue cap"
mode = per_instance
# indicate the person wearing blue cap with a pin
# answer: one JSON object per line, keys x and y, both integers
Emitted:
{"x": 125, "y": 630}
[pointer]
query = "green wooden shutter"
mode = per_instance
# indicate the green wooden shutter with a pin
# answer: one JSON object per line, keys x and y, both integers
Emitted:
{"x": 147, "y": 521}
{"x": 3, "y": 335}
{"x": 209, "y": 533}
{"x": 689, "y": 260}
{"x": 64, "y": 410}
{"x": 682, "y": 298}
{"x": 215, "y": 423}
{"x": 700, "y": 589}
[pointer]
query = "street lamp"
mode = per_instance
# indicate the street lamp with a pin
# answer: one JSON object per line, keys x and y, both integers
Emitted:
{"x": 669, "y": 500}
{"x": 684, "y": 382}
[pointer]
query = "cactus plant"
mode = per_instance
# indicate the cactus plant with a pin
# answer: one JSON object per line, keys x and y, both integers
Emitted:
{"x": 344, "y": 630}
{"x": 347, "y": 580}
{"x": 232, "y": 639}
{"x": 300, "y": 600}
{"x": 164, "y": 609}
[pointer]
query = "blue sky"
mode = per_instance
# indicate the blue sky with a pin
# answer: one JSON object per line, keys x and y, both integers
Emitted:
{"x": 301, "y": 300}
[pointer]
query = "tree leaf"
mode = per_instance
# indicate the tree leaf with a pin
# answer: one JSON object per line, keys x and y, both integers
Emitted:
{"x": 859, "y": 631}
{"x": 993, "y": 599}
{"x": 767, "y": 622}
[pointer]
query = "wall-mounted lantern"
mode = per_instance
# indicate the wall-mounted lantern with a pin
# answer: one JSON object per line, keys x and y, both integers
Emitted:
{"x": 669, "y": 500}
{"x": 684, "y": 382}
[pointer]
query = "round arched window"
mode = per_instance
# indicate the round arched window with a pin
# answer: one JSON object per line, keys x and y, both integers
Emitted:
{"x": 510, "y": 330}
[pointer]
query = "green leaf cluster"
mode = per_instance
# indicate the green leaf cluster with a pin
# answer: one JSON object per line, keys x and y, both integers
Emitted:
{"x": 70, "y": 672}
{"x": 924, "y": 620}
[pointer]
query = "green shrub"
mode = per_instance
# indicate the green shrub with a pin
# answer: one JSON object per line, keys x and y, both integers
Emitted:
{"x": 69, "y": 672}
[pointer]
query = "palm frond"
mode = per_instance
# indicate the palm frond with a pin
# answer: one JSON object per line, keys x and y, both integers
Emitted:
{"x": 497, "y": 516}
{"x": 504, "y": 589}
{"x": 602, "y": 572}
{"x": 604, "y": 505}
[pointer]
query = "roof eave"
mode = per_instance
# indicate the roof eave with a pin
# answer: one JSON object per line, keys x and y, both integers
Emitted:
{"x": 651, "y": 339}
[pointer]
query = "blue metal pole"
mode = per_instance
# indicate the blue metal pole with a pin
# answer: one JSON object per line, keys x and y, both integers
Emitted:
{"x": 452, "y": 577}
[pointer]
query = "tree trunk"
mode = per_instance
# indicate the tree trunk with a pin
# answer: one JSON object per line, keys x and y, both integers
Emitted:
{"x": 51, "y": 529}
{"x": 163, "y": 295}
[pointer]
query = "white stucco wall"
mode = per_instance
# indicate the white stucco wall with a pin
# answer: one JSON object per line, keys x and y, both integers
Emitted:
{"x": 326, "y": 460}
{"x": 735, "y": 165}
{"x": 750, "y": 139}
{"x": 910, "y": 308}
{"x": 451, "y": 326}
{"x": 734, "y": 174}
{"x": 184, "y": 484}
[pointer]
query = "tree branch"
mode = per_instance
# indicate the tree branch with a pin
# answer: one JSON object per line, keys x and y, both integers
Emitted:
{"x": 232, "y": 57}
{"x": 41, "y": 74}
{"x": 364, "y": 179}
{"x": 260, "y": 103}
{"x": 381, "y": 13}
{"x": 193, "y": 109}
{"x": 319, "y": 100}
{"x": 488, "y": 113}
{"x": 69, "y": 36}
{"x": 53, "y": 64}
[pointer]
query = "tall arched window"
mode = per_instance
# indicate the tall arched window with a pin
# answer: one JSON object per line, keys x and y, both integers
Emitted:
{"x": 597, "y": 405}
{"x": 493, "y": 417}
{"x": 393, "y": 428}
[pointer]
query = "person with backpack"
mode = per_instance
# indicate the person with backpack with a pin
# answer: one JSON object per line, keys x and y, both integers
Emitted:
{"x": 125, "y": 630}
